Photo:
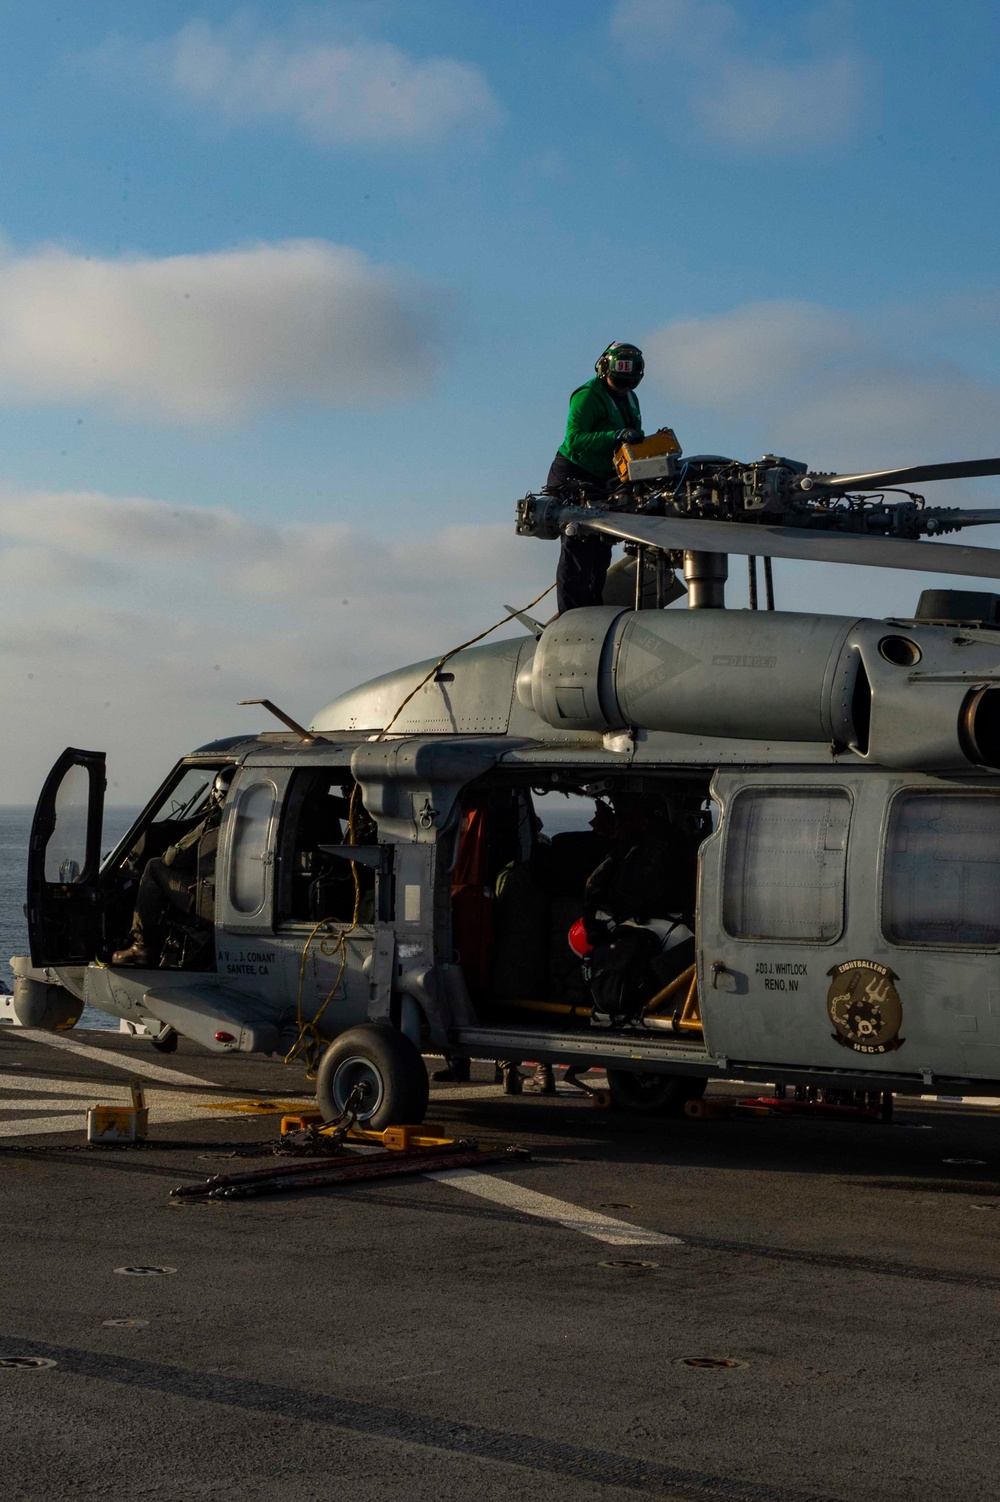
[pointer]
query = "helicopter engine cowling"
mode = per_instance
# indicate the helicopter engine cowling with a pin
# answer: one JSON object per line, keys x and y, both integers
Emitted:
{"x": 898, "y": 694}
{"x": 766, "y": 676}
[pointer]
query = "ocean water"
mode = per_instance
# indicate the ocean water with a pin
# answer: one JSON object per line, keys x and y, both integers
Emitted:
{"x": 15, "y": 827}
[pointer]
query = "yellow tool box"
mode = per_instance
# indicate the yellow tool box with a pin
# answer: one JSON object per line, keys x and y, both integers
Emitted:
{"x": 648, "y": 460}
{"x": 120, "y": 1123}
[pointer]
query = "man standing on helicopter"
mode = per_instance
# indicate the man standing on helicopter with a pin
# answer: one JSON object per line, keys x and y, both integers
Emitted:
{"x": 603, "y": 414}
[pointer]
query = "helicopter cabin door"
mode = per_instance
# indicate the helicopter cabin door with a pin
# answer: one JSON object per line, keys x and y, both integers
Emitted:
{"x": 64, "y": 856}
{"x": 333, "y": 900}
{"x": 298, "y": 893}
{"x": 775, "y": 916}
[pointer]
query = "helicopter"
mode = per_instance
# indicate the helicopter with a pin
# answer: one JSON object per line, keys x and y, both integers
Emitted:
{"x": 380, "y": 886}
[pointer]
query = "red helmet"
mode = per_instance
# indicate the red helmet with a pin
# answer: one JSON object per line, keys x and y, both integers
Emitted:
{"x": 578, "y": 941}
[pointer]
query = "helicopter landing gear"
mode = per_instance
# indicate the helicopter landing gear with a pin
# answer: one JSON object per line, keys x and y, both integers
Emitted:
{"x": 165, "y": 1040}
{"x": 386, "y": 1063}
{"x": 654, "y": 1094}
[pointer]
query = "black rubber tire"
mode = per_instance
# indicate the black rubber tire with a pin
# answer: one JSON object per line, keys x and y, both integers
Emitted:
{"x": 390, "y": 1063}
{"x": 654, "y": 1094}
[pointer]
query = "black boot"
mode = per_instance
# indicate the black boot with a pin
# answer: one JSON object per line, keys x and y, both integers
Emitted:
{"x": 512, "y": 1083}
{"x": 542, "y": 1082}
{"x": 136, "y": 954}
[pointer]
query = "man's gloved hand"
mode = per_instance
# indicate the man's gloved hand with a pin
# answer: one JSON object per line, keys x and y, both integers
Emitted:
{"x": 629, "y": 435}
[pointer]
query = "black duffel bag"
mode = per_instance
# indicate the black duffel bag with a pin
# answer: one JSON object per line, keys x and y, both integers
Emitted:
{"x": 619, "y": 975}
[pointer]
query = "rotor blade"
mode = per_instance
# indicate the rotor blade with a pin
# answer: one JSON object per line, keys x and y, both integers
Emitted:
{"x": 913, "y": 474}
{"x": 984, "y": 516}
{"x": 527, "y": 621}
{"x": 676, "y": 532}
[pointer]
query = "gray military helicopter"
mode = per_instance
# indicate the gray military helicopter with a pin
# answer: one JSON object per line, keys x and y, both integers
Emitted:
{"x": 376, "y": 885}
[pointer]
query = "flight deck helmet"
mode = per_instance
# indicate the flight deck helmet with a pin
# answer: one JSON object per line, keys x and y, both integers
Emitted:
{"x": 623, "y": 365}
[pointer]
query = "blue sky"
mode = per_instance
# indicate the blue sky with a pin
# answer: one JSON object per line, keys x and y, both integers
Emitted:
{"x": 292, "y": 298}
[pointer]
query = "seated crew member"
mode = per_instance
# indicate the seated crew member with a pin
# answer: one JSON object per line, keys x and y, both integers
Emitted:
{"x": 603, "y": 414}
{"x": 634, "y": 909}
{"x": 170, "y": 882}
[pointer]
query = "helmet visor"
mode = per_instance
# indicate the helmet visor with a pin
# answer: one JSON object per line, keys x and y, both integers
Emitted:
{"x": 622, "y": 364}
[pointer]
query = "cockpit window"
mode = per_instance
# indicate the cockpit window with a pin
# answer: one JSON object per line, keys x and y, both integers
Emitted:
{"x": 941, "y": 883}
{"x": 66, "y": 851}
{"x": 187, "y": 798}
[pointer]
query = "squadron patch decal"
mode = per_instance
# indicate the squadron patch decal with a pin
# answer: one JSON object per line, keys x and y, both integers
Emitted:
{"x": 864, "y": 1006}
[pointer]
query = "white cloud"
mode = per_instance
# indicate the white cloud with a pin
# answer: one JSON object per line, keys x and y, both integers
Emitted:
{"x": 136, "y": 625}
{"x": 825, "y": 386}
{"x": 743, "y": 92}
{"x": 359, "y": 93}
{"x": 737, "y": 357}
{"x": 791, "y": 105}
{"x": 211, "y": 337}
{"x": 685, "y": 26}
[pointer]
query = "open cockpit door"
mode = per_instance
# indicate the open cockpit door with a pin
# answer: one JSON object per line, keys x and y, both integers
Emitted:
{"x": 64, "y": 856}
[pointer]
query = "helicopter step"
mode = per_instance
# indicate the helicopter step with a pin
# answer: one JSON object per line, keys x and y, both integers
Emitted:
{"x": 655, "y": 1054}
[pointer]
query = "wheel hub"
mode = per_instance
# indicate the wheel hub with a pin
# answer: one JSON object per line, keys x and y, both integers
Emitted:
{"x": 356, "y": 1071}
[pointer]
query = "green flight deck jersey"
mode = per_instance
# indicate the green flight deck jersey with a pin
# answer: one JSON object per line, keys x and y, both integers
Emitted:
{"x": 596, "y": 416}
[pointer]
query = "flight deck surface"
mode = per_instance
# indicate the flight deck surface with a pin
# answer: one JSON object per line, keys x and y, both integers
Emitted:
{"x": 447, "y": 1339}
